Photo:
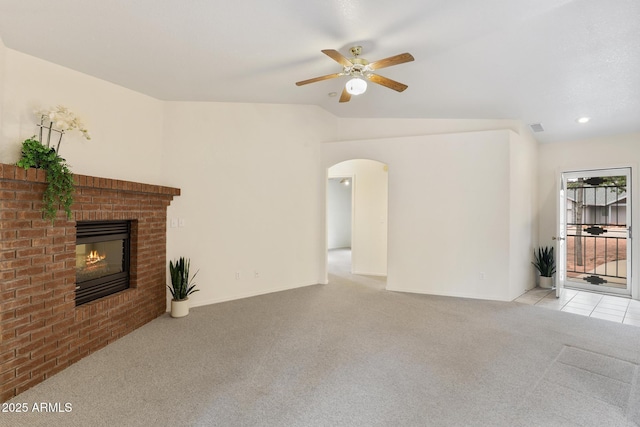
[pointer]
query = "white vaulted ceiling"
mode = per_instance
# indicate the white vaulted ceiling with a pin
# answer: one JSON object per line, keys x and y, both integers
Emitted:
{"x": 539, "y": 61}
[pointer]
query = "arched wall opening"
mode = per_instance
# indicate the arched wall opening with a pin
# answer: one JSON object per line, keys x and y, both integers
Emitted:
{"x": 460, "y": 215}
{"x": 357, "y": 205}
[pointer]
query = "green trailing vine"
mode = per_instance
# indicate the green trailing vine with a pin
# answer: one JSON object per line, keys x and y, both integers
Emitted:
{"x": 59, "y": 191}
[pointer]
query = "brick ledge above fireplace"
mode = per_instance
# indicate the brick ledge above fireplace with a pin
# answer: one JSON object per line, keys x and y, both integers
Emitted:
{"x": 41, "y": 330}
{"x": 12, "y": 172}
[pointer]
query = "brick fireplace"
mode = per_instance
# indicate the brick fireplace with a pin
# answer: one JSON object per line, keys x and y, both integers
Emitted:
{"x": 41, "y": 329}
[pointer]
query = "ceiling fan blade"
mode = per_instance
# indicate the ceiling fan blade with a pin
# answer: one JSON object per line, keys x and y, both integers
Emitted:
{"x": 384, "y": 81}
{"x": 337, "y": 56}
{"x": 318, "y": 79}
{"x": 392, "y": 60}
{"x": 346, "y": 96}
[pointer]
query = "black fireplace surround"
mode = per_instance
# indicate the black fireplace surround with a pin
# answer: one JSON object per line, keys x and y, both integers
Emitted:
{"x": 103, "y": 252}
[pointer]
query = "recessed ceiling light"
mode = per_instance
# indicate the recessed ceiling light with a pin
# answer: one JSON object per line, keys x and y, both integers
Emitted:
{"x": 332, "y": 94}
{"x": 583, "y": 120}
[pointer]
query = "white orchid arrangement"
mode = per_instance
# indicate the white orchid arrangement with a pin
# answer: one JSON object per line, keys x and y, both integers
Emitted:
{"x": 60, "y": 119}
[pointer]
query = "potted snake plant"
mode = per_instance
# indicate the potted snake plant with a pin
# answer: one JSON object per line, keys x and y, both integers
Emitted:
{"x": 181, "y": 286}
{"x": 544, "y": 262}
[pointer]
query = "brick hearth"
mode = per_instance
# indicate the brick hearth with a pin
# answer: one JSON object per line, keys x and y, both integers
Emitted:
{"x": 41, "y": 330}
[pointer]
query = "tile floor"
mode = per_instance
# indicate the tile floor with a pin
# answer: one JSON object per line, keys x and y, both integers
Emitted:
{"x": 607, "y": 307}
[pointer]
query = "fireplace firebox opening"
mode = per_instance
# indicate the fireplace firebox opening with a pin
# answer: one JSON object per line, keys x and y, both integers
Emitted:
{"x": 103, "y": 252}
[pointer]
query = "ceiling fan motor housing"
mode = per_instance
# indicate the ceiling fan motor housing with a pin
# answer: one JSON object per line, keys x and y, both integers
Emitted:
{"x": 358, "y": 69}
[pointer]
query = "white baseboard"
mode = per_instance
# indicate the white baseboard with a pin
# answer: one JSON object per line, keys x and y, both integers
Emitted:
{"x": 364, "y": 273}
{"x": 449, "y": 294}
{"x": 248, "y": 295}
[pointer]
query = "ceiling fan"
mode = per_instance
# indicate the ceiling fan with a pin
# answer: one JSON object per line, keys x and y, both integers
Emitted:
{"x": 360, "y": 70}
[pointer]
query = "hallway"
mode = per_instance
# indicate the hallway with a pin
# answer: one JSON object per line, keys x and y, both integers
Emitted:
{"x": 339, "y": 267}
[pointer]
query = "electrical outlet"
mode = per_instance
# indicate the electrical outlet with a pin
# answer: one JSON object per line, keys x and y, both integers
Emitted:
{"x": 174, "y": 222}
{"x": 181, "y": 222}
{"x": 482, "y": 275}
{"x": 237, "y": 275}
{"x": 256, "y": 274}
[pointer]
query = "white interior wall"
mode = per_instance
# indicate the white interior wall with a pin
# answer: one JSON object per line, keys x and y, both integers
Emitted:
{"x": 350, "y": 129}
{"x": 234, "y": 163}
{"x": 252, "y": 186}
{"x": 370, "y": 187}
{"x": 253, "y": 195}
{"x": 597, "y": 153}
{"x": 523, "y": 222}
{"x": 126, "y": 126}
{"x": 2, "y": 66}
{"x": 448, "y": 210}
{"x": 338, "y": 214}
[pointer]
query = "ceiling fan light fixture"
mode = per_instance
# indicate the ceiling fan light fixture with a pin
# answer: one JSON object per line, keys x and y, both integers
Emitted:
{"x": 359, "y": 70}
{"x": 356, "y": 86}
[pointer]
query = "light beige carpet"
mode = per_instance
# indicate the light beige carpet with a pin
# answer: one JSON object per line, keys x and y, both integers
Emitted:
{"x": 352, "y": 354}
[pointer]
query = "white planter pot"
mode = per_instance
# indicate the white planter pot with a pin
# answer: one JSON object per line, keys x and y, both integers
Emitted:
{"x": 179, "y": 308}
{"x": 546, "y": 282}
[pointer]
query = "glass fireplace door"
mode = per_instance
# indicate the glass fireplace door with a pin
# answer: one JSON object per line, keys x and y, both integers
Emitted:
{"x": 102, "y": 259}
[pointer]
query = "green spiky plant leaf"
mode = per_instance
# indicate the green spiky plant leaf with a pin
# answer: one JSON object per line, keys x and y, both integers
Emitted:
{"x": 544, "y": 261}
{"x": 181, "y": 284}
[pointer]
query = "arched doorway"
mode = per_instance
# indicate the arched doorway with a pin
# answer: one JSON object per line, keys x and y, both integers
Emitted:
{"x": 357, "y": 209}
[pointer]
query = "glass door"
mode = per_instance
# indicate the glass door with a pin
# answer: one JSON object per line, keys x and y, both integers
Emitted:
{"x": 597, "y": 220}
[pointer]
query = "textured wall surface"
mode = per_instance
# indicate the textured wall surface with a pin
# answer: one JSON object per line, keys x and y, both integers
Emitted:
{"x": 41, "y": 329}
